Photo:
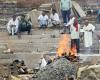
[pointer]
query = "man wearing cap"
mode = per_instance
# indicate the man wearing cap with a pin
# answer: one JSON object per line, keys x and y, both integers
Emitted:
{"x": 12, "y": 26}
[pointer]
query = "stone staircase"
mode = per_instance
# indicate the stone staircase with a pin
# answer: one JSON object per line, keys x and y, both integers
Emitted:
{"x": 40, "y": 40}
{"x": 9, "y": 8}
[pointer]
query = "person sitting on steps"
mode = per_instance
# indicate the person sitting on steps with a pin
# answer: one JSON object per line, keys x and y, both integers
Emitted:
{"x": 43, "y": 20}
{"x": 54, "y": 18}
{"x": 12, "y": 26}
{"x": 24, "y": 25}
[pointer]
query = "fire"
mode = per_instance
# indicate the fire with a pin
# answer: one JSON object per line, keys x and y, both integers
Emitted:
{"x": 73, "y": 50}
{"x": 64, "y": 46}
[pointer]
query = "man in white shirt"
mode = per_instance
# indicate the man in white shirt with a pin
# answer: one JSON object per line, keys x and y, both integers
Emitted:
{"x": 74, "y": 29}
{"x": 88, "y": 33}
{"x": 12, "y": 26}
{"x": 54, "y": 18}
{"x": 43, "y": 20}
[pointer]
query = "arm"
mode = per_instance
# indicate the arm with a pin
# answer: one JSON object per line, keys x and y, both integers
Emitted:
{"x": 71, "y": 21}
{"x": 93, "y": 28}
{"x": 17, "y": 23}
{"x": 47, "y": 18}
{"x": 57, "y": 17}
{"x": 51, "y": 17}
{"x": 70, "y": 4}
{"x": 9, "y": 24}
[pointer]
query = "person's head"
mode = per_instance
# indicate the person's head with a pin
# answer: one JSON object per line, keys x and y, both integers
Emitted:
{"x": 14, "y": 17}
{"x": 86, "y": 22}
{"x": 43, "y": 13}
{"x": 53, "y": 11}
{"x": 16, "y": 61}
{"x": 22, "y": 17}
{"x": 22, "y": 62}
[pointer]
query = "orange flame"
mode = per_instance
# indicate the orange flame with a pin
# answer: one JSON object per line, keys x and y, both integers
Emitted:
{"x": 73, "y": 50}
{"x": 64, "y": 46}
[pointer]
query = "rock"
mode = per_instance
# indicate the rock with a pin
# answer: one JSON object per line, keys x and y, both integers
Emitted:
{"x": 57, "y": 70}
{"x": 89, "y": 73}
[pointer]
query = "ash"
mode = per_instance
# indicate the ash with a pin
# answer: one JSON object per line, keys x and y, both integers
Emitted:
{"x": 60, "y": 69}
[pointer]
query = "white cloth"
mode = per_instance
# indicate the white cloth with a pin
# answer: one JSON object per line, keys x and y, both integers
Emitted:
{"x": 43, "y": 63}
{"x": 11, "y": 23}
{"x": 88, "y": 30}
{"x": 74, "y": 33}
{"x": 43, "y": 20}
{"x": 55, "y": 18}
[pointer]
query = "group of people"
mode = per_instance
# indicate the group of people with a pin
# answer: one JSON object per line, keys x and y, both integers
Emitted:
{"x": 44, "y": 19}
{"x": 16, "y": 25}
{"x": 74, "y": 28}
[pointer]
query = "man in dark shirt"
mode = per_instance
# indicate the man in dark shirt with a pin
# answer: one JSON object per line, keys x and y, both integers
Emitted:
{"x": 24, "y": 25}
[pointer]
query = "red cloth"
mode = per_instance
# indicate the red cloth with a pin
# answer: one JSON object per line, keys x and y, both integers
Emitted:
{"x": 76, "y": 23}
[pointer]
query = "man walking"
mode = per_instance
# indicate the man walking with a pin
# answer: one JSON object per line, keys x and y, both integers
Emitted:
{"x": 65, "y": 6}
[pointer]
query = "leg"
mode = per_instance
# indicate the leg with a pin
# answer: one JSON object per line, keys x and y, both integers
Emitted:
{"x": 68, "y": 15}
{"x": 13, "y": 30}
{"x": 43, "y": 24}
{"x": 72, "y": 43}
{"x": 9, "y": 29}
{"x": 68, "y": 18}
{"x": 19, "y": 32}
{"x": 64, "y": 15}
{"x": 78, "y": 45}
{"x": 16, "y": 30}
{"x": 29, "y": 29}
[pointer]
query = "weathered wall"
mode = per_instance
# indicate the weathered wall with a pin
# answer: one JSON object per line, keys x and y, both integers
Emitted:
{"x": 29, "y": 3}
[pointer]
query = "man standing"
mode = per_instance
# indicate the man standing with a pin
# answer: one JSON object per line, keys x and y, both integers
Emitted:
{"x": 88, "y": 33}
{"x": 43, "y": 20}
{"x": 74, "y": 29}
{"x": 12, "y": 26}
{"x": 65, "y": 10}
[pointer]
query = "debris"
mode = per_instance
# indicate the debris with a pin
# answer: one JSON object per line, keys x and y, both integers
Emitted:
{"x": 14, "y": 78}
{"x": 58, "y": 70}
{"x": 43, "y": 63}
{"x": 78, "y": 9}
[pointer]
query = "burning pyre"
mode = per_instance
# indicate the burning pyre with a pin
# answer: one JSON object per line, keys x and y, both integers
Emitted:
{"x": 64, "y": 48}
